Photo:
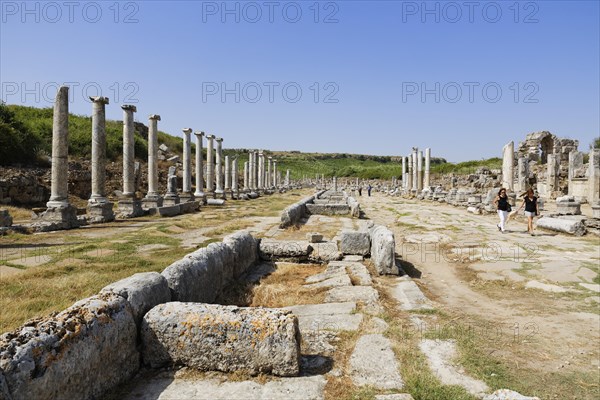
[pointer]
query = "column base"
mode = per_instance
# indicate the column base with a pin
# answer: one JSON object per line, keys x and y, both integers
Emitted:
{"x": 130, "y": 208}
{"x": 171, "y": 199}
{"x": 58, "y": 216}
{"x": 186, "y": 197}
{"x": 99, "y": 212}
{"x": 200, "y": 197}
{"x": 152, "y": 202}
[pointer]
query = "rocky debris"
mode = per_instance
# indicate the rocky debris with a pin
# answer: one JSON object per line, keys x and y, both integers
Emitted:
{"x": 59, "y": 357}
{"x": 570, "y": 226}
{"x": 211, "y": 337}
{"x": 383, "y": 246}
{"x": 410, "y": 296}
{"x": 440, "y": 357}
{"x": 5, "y": 219}
{"x": 270, "y": 249}
{"x": 373, "y": 363}
{"x": 143, "y": 291}
{"x": 356, "y": 242}
{"x": 506, "y": 394}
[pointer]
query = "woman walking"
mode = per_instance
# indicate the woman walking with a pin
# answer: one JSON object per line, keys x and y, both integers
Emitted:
{"x": 531, "y": 209}
{"x": 501, "y": 202}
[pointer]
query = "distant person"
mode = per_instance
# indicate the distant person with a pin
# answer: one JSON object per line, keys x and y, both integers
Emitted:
{"x": 530, "y": 202}
{"x": 360, "y": 190}
{"x": 369, "y": 189}
{"x": 501, "y": 202}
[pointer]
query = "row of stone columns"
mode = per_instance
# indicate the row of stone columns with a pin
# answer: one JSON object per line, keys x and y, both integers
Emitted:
{"x": 414, "y": 177}
{"x": 257, "y": 176}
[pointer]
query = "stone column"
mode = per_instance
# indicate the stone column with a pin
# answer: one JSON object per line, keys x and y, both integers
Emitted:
{"x": 523, "y": 173}
{"x": 219, "y": 192}
{"x": 404, "y": 172}
{"x": 59, "y": 190}
{"x": 60, "y": 212}
{"x": 261, "y": 184}
{"x": 594, "y": 177}
{"x": 186, "y": 191}
{"x": 199, "y": 168}
{"x": 575, "y": 164}
{"x": 99, "y": 208}
{"x": 153, "y": 198}
{"x": 415, "y": 178}
{"x": 335, "y": 186}
{"x": 129, "y": 206}
{"x": 250, "y": 169}
{"x": 552, "y": 174}
{"x": 426, "y": 179}
{"x": 210, "y": 166}
{"x": 275, "y": 183}
{"x": 508, "y": 162}
{"x": 246, "y": 177}
{"x": 409, "y": 173}
{"x": 128, "y": 151}
{"x": 235, "y": 188}
{"x": 419, "y": 171}
{"x": 227, "y": 187}
{"x": 255, "y": 171}
{"x": 269, "y": 173}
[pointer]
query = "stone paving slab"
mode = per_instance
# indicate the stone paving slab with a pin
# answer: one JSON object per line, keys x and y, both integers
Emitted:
{"x": 365, "y": 294}
{"x": 360, "y": 274}
{"x": 328, "y": 274}
{"x": 410, "y": 296}
{"x": 440, "y": 357}
{"x": 373, "y": 363}
{"x": 335, "y": 281}
{"x": 394, "y": 397}
{"x": 330, "y": 316}
{"x": 303, "y": 388}
{"x": 353, "y": 258}
{"x": 545, "y": 287}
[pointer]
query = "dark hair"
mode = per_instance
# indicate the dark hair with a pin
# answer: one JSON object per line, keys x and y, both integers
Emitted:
{"x": 501, "y": 190}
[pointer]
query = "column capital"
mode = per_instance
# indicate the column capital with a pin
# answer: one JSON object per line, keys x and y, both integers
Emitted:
{"x": 211, "y": 137}
{"x": 199, "y": 134}
{"x": 219, "y": 139}
{"x": 270, "y": 158}
{"x": 154, "y": 116}
{"x": 99, "y": 99}
{"x": 129, "y": 107}
{"x": 187, "y": 131}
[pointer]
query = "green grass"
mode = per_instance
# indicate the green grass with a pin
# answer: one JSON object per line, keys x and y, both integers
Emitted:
{"x": 27, "y": 132}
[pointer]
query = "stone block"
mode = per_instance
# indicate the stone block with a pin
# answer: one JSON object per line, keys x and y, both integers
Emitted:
{"x": 143, "y": 291}
{"x": 314, "y": 237}
{"x": 270, "y": 249}
{"x": 81, "y": 353}
{"x": 211, "y": 337}
{"x": 5, "y": 218}
{"x": 572, "y": 227}
{"x": 355, "y": 242}
{"x": 383, "y": 245}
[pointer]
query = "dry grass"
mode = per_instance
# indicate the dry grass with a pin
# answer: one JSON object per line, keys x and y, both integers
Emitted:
{"x": 18, "y": 213}
{"x": 283, "y": 287}
{"x": 72, "y": 272}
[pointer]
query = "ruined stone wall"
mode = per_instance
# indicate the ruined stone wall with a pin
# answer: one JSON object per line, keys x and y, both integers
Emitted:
{"x": 93, "y": 346}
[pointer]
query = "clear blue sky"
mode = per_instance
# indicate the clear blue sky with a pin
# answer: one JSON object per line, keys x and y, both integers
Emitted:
{"x": 373, "y": 57}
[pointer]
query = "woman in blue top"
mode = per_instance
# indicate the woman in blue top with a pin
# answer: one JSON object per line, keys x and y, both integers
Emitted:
{"x": 531, "y": 209}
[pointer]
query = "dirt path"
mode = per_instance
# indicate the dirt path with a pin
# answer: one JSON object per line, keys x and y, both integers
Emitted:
{"x": 480, "y": 276}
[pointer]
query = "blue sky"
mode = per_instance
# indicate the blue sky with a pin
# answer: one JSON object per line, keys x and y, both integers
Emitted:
{"x": 389, "y": 74}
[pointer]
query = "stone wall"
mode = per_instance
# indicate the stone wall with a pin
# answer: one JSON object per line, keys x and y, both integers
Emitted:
{"x": 90, "y": 348}
{"x": 293, "y": 214}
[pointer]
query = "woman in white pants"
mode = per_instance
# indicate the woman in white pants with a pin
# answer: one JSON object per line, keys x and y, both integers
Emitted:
{"x": 501, "y": 203}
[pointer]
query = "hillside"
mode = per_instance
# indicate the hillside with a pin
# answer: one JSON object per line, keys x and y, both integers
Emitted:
{"x": 26, "y": 139}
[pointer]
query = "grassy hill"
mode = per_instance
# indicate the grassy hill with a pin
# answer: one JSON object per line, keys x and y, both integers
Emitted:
{"x": 26, "y": 139}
